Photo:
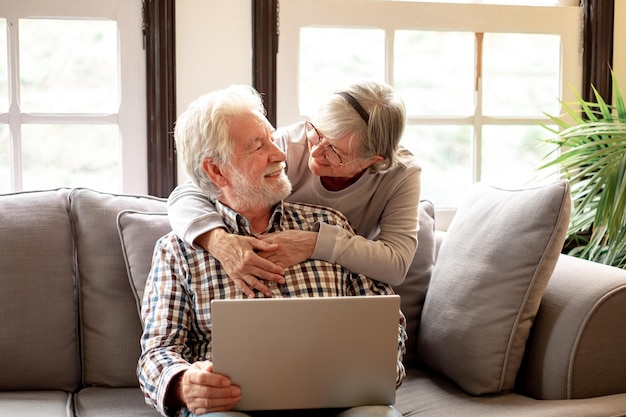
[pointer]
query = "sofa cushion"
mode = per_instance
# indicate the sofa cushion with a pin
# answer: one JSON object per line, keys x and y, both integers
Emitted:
{"x": 36, "y": 403}
{"x": 98, "y": 402}
{"x": 139, "y": 233}
{"x": 413, "y": 290}
{"x": 491, "y": 271}
{"x": 38, "y": 308}
{"x": 428, "y": 394}
{"x": 110, "y": 327}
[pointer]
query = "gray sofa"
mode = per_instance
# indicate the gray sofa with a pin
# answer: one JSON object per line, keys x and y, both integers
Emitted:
{"x": 69, "y": 340}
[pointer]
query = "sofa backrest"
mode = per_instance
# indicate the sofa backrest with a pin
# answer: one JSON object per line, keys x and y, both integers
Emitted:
{"x": 110, "y": 327}
{"x": 39, "y": 348}
{"x": 65, "y": 288}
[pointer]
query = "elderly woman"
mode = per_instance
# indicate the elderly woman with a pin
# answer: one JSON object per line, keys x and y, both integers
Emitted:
{"x": 347, "y": 157}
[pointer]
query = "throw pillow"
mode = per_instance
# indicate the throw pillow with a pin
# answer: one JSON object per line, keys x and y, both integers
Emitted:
{"x": 492, "y": 269}
{"x": 139, "y": 233}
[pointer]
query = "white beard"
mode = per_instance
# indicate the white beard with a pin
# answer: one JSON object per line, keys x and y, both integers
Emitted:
{"x": 256, "y": 192}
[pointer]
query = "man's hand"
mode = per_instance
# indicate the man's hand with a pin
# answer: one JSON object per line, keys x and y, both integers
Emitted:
{"x": 238, "y": 257}
{"x": 294, "y": 246}
{"x": 202, "y": 391}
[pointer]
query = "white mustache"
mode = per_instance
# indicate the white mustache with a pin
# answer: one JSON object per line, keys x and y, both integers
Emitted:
{"x": 275, "y": 168}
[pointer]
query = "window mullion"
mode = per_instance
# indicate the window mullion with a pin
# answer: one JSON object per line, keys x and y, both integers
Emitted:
{"x": 478, "y": 111}
{"x": 15, "y": 123}
{"x": 389, "y": 58}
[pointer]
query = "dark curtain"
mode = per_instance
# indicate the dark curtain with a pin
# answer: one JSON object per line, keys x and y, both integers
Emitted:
{"x": 158, "y": 31}
{"x": 599, "y": 19}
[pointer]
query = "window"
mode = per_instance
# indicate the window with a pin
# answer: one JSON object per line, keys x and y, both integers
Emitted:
{"x": 72, "y": 95}
{"x": 476, "y": 78}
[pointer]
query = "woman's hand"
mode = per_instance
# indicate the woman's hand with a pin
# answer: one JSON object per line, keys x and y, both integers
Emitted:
{"x": 238, "y": 257}
{"x": 293, "y": 247}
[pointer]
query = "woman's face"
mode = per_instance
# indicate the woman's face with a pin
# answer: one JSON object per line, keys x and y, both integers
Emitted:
{"x": 336, "y": 157}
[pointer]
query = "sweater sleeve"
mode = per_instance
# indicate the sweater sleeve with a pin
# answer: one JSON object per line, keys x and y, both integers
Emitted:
{"x": 191, "y": 213}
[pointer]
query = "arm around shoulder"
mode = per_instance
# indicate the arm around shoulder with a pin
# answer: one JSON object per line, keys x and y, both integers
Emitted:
{"x": 191, "y": 213}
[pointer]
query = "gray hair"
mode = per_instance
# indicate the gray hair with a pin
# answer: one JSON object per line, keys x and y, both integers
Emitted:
{"x": 203, "y": 130}
{"x": 380, "y": 135}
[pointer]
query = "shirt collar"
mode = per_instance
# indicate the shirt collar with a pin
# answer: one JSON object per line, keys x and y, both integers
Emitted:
{"x": 237, "y": 223}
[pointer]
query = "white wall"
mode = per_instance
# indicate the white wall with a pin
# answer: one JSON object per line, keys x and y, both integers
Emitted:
{"x": 213, "y": 49}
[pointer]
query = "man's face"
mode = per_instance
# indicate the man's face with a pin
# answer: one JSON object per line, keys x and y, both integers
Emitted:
{"x": 256, "y": 176}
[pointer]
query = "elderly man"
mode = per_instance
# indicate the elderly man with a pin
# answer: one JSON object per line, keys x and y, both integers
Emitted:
{"x": 228, "y": 149}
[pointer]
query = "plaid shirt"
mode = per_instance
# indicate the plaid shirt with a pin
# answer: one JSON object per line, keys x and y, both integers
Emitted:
{"x": 183, "y": 281}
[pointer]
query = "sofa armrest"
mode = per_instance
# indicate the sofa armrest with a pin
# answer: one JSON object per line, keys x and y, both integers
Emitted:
{"x": 578, "y": 339}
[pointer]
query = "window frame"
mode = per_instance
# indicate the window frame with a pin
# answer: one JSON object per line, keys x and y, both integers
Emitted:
{"x": 597, "y": 62}
{"x": 597, "y": 53}
{"x": 131, "y": 71}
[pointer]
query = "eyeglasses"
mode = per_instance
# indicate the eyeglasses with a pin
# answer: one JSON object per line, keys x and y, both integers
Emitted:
{"x": 315, "y": 138}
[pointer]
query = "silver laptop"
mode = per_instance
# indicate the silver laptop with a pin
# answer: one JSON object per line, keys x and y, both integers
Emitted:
{"x": 297, "y": 353}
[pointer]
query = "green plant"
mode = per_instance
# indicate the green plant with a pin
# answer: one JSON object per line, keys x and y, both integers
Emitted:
{"x": 591, "y": 155}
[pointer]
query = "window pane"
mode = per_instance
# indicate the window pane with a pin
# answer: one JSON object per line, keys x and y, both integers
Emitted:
{"x": 71, "y": 156}
{"x": 444, "y": 153}
{"x": 4, "y": 74}
{"x": 73, "y": 59}
{"x": 521, "y": 74}
{"x": 5, "y": 168}
{"x": 331, "y": 58}
{"x": 434, "y": 72}
{"x": 513, "y": 154}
